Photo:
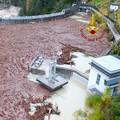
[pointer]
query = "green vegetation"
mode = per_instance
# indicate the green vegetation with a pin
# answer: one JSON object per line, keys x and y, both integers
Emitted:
{"x": 100, "y": 106}
{"x": 115, "y": 107}
{"x": 77, "y": 115}
{"x": 110, "y": 36}
{"x": 116, "y": 49}
{"x": 102, "y": 23}
{"x": 103, "y": 107}
{"x": 96, "y": 2}
{"x": 36, "y": 7}
{"x": 103, "y": 6}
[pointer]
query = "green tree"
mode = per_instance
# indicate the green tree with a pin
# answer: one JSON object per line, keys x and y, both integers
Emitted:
{"x": 99, "y": 106}
{"x": 43, "y": 6}
{"x": 115, "y": 107}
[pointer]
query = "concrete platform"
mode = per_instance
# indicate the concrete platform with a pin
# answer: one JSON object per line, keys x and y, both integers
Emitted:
{"x": 44, "y": 69}
{"x": 53, "y": 84}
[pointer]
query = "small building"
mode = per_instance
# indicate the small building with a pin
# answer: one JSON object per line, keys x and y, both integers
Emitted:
{"x": 114, "y": 7}
{"x": 105, "y": 72}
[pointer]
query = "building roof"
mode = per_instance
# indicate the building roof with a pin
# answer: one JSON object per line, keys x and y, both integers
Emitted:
{"x": 109, "y": 64}
{"x": 115, "y": 4}
{"x": 114, "y": 7}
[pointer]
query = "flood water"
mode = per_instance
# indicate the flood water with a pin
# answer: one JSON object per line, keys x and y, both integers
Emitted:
{"x": 70, "y": 98}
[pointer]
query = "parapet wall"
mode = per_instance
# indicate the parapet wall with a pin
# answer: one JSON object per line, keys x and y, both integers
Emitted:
{"x": 46, "y": 17}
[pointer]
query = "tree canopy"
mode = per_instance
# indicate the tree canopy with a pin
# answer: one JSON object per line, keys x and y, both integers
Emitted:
{"x": 105, "y": 107}
{"x": 35, "y": 7}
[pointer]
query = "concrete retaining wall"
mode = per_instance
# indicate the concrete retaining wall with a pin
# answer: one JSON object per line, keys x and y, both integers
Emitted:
{"x": 46, "y": 17}
{"x": 27, "y": 19}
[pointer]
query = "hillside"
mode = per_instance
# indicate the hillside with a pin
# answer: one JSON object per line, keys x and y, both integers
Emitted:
{"x": 35, "y": 7}
{"x": 104, "y": 5}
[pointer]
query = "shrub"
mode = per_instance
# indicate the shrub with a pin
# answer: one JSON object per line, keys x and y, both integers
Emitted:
{"x": 116, "y": 49}
{"x": 110, "y": 37}
{"x": 117, "y": 26}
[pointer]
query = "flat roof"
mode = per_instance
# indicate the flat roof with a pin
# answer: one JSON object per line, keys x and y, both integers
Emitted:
{"x": 109, "y": 63}
{"x": 115, "y": 4}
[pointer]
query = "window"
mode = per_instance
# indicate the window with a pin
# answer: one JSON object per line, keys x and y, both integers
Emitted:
{"x": 98, "y": 79}
{"x": 105, "y": 82}
{"x": 115, "y": 91}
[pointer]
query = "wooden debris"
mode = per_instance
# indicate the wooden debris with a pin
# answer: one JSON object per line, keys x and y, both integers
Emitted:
{"x": 46, "y": 108}
{"x": 65, "y": 57}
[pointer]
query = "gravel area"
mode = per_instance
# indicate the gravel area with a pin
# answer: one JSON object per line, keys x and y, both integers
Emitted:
{"x": 19, "y": 44}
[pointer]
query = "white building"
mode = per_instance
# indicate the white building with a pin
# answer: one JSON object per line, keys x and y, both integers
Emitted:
{"x": 114, "y": 7}
{"x": 105, "y": 71}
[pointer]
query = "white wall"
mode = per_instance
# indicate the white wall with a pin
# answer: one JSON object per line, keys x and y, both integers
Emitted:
{"x": 93, "y": 77}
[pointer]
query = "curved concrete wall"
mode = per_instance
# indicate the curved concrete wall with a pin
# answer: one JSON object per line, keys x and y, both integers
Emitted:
{"x": 46, "y": 17}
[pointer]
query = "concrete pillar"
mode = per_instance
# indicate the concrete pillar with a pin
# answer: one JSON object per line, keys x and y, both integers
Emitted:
{"x": 52, "y": 69}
